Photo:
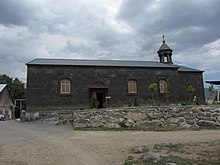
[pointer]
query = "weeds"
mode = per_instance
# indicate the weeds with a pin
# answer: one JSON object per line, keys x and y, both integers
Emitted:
{"x": 169, "y": 147}
{"x": 199, "y": 153}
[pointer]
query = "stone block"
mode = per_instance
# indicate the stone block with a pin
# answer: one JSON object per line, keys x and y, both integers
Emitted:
{"x": 218, "y": 118}
{"x": 190, "y": 115}
{"x": 185, "y": 125}
{"x": 181, "y": 119}
{"x": 153, "y": 123}
{"x": 207, "y": 123}
{"x": 157, "y": 115}
{"x": 173, "y": 120}
{"x": 129, "y": 123}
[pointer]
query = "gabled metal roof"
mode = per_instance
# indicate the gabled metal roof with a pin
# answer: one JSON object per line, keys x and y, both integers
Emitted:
{"x": 107, "y": 63}
{"x": 2, "y": 86}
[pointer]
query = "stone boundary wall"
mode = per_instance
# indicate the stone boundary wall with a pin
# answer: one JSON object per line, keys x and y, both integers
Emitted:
{"x": 144, "y": 117}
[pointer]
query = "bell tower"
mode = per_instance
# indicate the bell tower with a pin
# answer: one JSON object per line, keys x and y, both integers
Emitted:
{"x": 165, "y": 53}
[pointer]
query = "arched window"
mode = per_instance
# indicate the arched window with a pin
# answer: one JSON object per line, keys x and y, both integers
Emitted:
{"x": 132, "y": 86}
{"x": 163, "y": 86}
{"x": 65, "y": 86}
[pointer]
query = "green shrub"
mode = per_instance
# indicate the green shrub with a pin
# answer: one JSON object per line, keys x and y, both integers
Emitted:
{"x": 135, "y": 102}
{"x": 94, "y": 103}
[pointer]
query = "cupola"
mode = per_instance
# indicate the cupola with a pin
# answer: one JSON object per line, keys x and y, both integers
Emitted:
{"x": 165, "y": 53}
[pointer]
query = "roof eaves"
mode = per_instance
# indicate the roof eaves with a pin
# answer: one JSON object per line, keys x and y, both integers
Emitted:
{"x": 187, "y": 69}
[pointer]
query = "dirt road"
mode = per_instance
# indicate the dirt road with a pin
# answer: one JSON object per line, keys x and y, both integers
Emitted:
{"x": 90, "y": 148}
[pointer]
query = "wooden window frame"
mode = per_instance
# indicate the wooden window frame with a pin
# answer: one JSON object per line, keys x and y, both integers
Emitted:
{"x": 163, "y": 84}
{"x": 132, "y": 87}
{"x": 65, "y": 87}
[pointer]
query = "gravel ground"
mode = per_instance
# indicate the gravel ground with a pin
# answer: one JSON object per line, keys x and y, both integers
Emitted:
{"x": 91, "y": 148}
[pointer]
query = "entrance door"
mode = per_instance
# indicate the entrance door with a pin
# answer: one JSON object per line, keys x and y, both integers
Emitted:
{"x": 100, "y": 99}
{"x": 17, "y": 113}
{"x": 100, "y": 95}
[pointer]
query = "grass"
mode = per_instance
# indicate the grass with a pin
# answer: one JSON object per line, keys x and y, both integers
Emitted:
{"x": 156, "y": 129}
{"x": 169, "y": 147}
{"x": 169, "y": 159}
{"x": 210, "y": 157}
{"x": 205, "y": 153}
{"x": 173, "y": 159}
{"x": 131, "y": 161}
{"x": 214, "y": 143}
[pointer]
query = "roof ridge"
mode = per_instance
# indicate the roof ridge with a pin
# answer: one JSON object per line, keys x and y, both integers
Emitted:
{"x": 94, "y": 62}
{"x": 75, "y": 59}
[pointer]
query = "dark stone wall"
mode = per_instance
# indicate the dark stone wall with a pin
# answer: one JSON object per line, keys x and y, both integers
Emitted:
{"x": 43, "y": 85}
{"x": 196, "y": 80}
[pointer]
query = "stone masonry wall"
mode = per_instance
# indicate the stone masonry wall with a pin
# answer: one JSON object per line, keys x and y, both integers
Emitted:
{"x": 145, "y": 117}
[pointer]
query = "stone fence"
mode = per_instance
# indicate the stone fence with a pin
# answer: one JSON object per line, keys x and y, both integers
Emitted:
{"x": 144, "y": 117}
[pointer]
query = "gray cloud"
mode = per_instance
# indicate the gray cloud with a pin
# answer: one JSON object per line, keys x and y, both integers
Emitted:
{"x": 109, "y": 30}
{"x": 184, "y": 21}
{"x": 13, "y": 12}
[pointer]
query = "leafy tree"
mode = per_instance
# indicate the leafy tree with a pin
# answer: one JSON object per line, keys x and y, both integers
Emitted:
{"x": 4, "y": 79}
{"x": 94, "y": 103}
{"x": 211, "y": 90}
{"x": 190, "y": 89}
{"x": 15, "y": 86}
{"x": 153, "y": 88}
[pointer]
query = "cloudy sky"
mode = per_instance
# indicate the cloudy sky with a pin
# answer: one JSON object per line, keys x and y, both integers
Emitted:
{"x": 109, "y": 29}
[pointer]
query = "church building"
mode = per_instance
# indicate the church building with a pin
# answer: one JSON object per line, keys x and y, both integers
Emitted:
{"x": 68, "y": 84}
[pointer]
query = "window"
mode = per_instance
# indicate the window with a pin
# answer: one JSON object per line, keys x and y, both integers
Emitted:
{"x": 163, "y": 86}
{"x": 65, "y": 86}
{"x": 165, "y": 59}
{"x": 132, "y": 86}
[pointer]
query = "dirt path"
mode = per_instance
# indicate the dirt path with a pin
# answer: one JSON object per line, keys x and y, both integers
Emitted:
{"x": 94, "y": 148}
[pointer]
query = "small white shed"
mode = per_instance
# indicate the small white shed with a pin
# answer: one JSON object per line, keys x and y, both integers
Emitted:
{"x": 6, "y": 102}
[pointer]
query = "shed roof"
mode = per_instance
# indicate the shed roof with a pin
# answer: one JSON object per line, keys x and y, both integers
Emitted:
{"x": 213, "y": 82}
{"x": 187, "y": 69}
{"x": 2, "y": 86}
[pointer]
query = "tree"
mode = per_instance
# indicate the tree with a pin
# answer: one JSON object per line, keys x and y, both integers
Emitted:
{"x": 190, "y": 89}
{"x": 153, "y": 88}
{"x": 16, "y": 87}
{"x": 211, "y": 90}
{"x": 94, "y": 103}
{"x": 4, "y": 79}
